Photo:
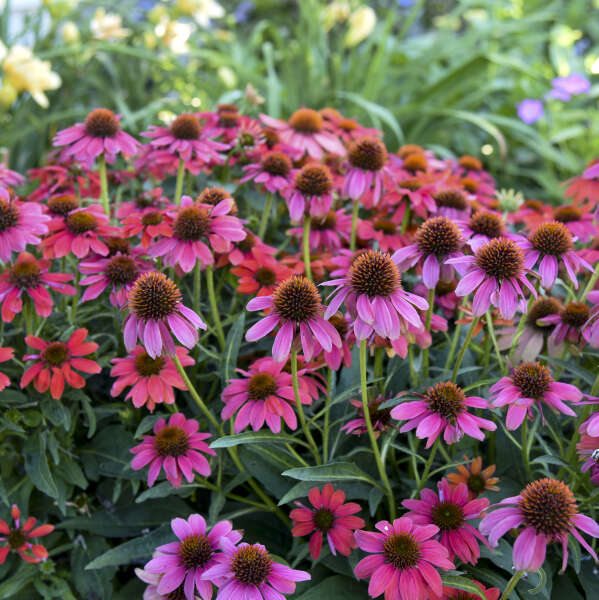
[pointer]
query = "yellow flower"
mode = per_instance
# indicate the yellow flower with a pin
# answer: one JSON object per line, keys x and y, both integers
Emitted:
{"x": 361, "y": 24}
{"x": 174, "y": 34}
{"x": 108, "y": 26}
{"x": 334, "y": 13}
{"x": 201, "y": 10}
{"x": 70, "y": 33}
{"x": 24, "y": 72}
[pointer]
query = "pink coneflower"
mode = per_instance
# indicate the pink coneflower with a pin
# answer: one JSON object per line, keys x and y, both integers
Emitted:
{"x": 372, "y": 292}
{"x": 151, "y": 379}
{"x": 482, "y": 227}
{"x": 117, "y": 272}
{"x": 250, "y": 247}
{"x": 78, "y": 232}
{"x": 307, "y": 131}
{"x": 385, "y": 230}
{"x": 552, "y": 243}
{"x": 18, "y": 538}
{"x": 100, "y": 134}
{"x": 274, "y": 172}
{"x": 249, "y": 571}
{"x": 495, "y": 272}
{"x": 445, "y": 296}
{"x": 181, "y": 564}
{"x": 330, "y": 516}
{"x": 265, "y": 395}
{"x": 547, "y": 510}
{"x": 529, "y": 384}
{"x": 452, "y": 203}
{"x": 296, "y": 306}
{"x": 30, "y": 276}
{"x": 260, "y": 274}
{"x": 571, "y": 323}
{"x": 366, "y": 164}
{"x": 20, "y": 224}
{"x": 443, "y": 409}
{"x": 347, "y": 129}
{"x": 585, "y": 186}
{"x": 450, "y": 511}
{"x": 149, "y": 224}
{"x": 5, "y": 355}
{"x": 55, "y": 363}
{"x": 379, "y": 417}
{"x": 403, "y": 560}
{"x": 588, "y": 450}
{"x": 456, "y": 594}
{"x": 156, "y": 312}
{"x": 59, "y": 179}
{"x": 437, "y": 240}
{"x": 417, "y": 193}
{"x": 330, "y": 232}
{"x": 339, "y": 354}
{"x": 152, "y": 199}
{"x": 311, "y": 192}
{"x": 194, "y": 224}
{"x": 9, "y": 178}
{"x": 578, "y": 219}
{"x": 591, "y": 327}
{"x": 174, "y": 447}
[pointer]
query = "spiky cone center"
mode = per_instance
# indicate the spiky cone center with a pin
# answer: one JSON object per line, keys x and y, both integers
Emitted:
{"x": 576, "y": 314}
{"x": 176, "y": 594}
{"x": 145, "y": 200}
{"x": 542, "y": 307}
{"x": 265, "y": 276}
{"x": 101, "y": 123}
{"x": 485, "y": 223}
{"x": 535, "y": 205}
{"x": 276, "y": 163}
{"x": 55, "y": 354}
{"x": 446, "y": 399}
{"x": 147, "y": 366}
{"x": 247, "y": 244}
{"x": 445, "y": 287}
{"x": 306, "y": 120}
{"x": 347, "y": 125}
{"x": 192, "y": 223}
{"x": 227, "y": 108}
{"x": 500, "y": 258}
{"x": 374, "y": 273}
{"x": 410, "y": 184}
{"x": 261, "y": 386}
{"x": 552, "y": 238}
{"x": 470, "y": 163}
{"x": 469, "y": 184}
{"x": 415, "y": 162}
{"x": 401, "y": 551}
{"x": 186, "y": 127}
{"x": 228, "y": 119}
{"x": 533, "y": 380}
{"x": 213, "y": 195}
{"x": 368, "y": 154}
{"x": 117, "y": 244}
{"x": 271, "y": 137}
{"x": 548, "y": 506}
{"x": 296, "y": 299}
{"x": 62, "y": 205}
{"x": 324, "y": 520}
{"x": 314, "y": 180}
{"x": 448, "y": 516}
{"x": 251, "y": 565}
{"x": 567, "y": 214}
{"x": 408, "y": 149}
{"x": 25, "y": 274}
{"x": 154, "y": 217}
{"x": 171, "y": 440}
{"x": 379, "y": 415}
{"x": 328, "y": 222}
{"x": 385, "y": 227}
{"x": 439, "y": 236}
{"x": 16, "y": 538}
{"x": 476, "y": 483}
{"x": 451, "y": 199}
{"x": 81, "y": 222}
{"x": 122, "y": 270}
{"x": 340, "y": 324}
{"x": 195, "y": 551}
{"x": 153, "y": 296}
{"x": 9, "y": 215}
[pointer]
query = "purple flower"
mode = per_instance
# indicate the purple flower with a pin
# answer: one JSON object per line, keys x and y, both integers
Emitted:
{"x": 530, "y": 110}
{"x": 566, "y": 87}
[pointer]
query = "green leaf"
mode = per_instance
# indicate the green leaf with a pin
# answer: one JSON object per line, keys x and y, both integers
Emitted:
{"x": 461, "y": 583}
{"x": 340, "y": 471}
{"x": 56, "y": 412}
{"x": 233, "y": 343}
{"x": 337, "y": 586}
{"x": 254, "y": 437}
{"x": 36, "y": 465}
{"x": 165, "y": 489}
{"x": 22, "y": 577}
{"x": 542, "y": 582}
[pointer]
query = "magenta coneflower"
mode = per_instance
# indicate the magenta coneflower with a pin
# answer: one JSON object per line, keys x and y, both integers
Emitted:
{"x": 156, "y": 312}
{"x": 366, "y": 164}
{"x": 339, "y": 354}
{"x": 30, "y": 276}
{"x": 437, "y": 240}
{"x": 249, "y": 571}
{"x": 193, "y": 225}
{"x": 403, "y": 560}
{"x": 450, "y": 511}
{"x": 529, "y": 384}
{"x": 452, "y": 203}
{"x": 117, "y": 272}
{"x": 330, "y": 517}
{"x": 495, "y": 272}
{"x": 78, "y": 232}
{"x": 296, "y": 306}
{"x": 18, "y": 538}
{"x": 578, "y": 220}
{"x": 9, "y": 178}
{"x": 571, "y": 323}
{"x": 174, "y": 447}
{"x": 372, "y": 292}
{"x": 311, "y": 192}
{"x": 307, "y": 131}
{"x": 5, "y": 355}
{"x": 274, "y": 172}
{"x": 443, "y": 409}
{"x": 591, "y": 326}
{"x": 379, "y": 417}
{"x": 100, "y": 134}
{"x": 552, "y": 243}
{"x": 148, "y": 223}
{"x": 588, "y": 450}
{"x": 264, "y": 395}
{"x": 20, "y": 224}
{"x": 181, "y": 564}
{"x": 482, "y": 227}
{"x": 547, "y": 510}
{"x": 330, "y": 232}
{"x": 151, "y": 379}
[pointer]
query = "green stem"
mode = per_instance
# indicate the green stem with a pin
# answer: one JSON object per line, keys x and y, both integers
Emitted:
{"x": 104, "y": 184}
{"x": 306, "y": 246}
{"x": 525, "y": 456}
{"x": 265, "y": 215}
{"x": 455, "y": 339}
{"x": 197, "y": 285}
{"x": 463, "y": 349}
{"x": 512, "y": 583}
{"x": 429, "y": 464}
{"x": 179, "y": 184}
{"x": 373, "y": 442}
{"x": 427, "y": 326}
{"x": 493, "y": 337}
{"x": 300, "y": 408}
{"x": 518, "y": 334}
{"x": 214, "y": 307}
{"x": 413, "y": 373}
{"x": 379, "y": 354}
{"x": 295, "y": 455}
{"x": 591, "y": 284}
{"x": 327, "y": 416}
{"x": 406, "y": 219}
{"x": 354, "y": 225}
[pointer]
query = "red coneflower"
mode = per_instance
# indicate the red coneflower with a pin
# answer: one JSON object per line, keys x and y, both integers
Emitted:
{"x": 5, "y": 355}
{"x": 260, "y": 274}
{"x": 476, "y": 479}
{"x": 18, "y": 538}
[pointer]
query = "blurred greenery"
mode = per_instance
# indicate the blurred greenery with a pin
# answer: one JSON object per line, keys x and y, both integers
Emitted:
{"x": 445, "y": 74}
